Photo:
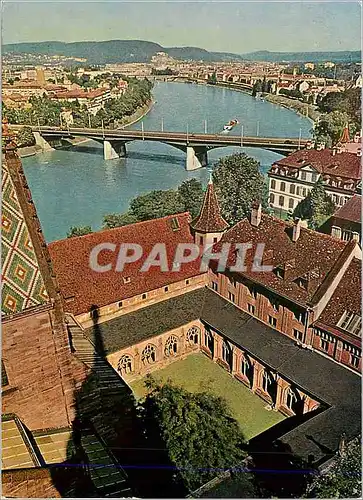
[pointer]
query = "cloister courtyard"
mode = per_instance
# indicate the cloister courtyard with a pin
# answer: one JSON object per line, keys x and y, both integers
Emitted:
{"x": 197, "y": 373}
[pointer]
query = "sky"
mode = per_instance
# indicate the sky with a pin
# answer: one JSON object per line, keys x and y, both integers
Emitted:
{"x": 231, "y": 26}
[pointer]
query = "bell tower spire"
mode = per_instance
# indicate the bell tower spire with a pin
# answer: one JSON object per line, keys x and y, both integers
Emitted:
{"x": 209, "y": 225}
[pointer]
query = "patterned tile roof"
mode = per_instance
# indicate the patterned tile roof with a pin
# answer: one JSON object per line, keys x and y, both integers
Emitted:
{"x": 351, "y": 210}
{"x": 210, "y": 219}
{"x": 325, "y": 162}
{"x": 22, "y": 281}
{"x": 310, "y": 259}
{"x": 88, "y": 288}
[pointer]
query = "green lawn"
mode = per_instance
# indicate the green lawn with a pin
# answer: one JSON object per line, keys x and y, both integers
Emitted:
{"x": 198, "y": 373}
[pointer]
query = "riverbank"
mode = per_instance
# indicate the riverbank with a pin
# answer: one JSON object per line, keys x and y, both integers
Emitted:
{"x": 138, "y": 115}
{"x": 307, "y": 110}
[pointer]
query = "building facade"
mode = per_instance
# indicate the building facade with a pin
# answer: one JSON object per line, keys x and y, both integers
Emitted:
{"x": 293, "y": 177}
{"x": 345, "y": 223}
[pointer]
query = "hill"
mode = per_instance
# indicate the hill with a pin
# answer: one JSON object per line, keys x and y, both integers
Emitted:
{"x": 340, "y": 56}
{"x": 113, "y": 51}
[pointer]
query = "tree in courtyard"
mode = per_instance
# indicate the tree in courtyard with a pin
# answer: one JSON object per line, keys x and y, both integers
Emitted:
{"x": 238, "y": 183}
{"x": 330, "y": 127}
{"x": 191, "y": 194}
{"x": 79, "y": 231}
{"x": 316, "y": 207}
{"x": 25, "y": 137}
{"x": 200, "y": 436}
{"x": 343, "y": 479}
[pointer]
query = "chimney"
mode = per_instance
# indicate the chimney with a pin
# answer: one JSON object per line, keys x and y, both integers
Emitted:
{"x": 334, "y": 151}
{"x": 289, "y": 269}
{"x": 256, "y": 214}
{"x": 296, "y": 230}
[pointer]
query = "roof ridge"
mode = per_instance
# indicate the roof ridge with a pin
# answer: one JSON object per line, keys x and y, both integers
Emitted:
{"x": 89, "y": 235}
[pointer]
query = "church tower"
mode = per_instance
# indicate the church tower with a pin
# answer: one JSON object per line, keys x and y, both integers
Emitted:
{"x": 209, "y": 226}
{"x": 36, "y": 361}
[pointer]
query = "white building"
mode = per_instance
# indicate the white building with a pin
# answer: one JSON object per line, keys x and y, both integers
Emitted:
{"x": 293, "y": 177}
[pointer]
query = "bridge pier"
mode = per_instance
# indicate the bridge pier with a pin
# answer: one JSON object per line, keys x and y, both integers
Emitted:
{"x": 196, "y": 158}
{"x": 40, "y": 141}
{"x": 114, "y": 149}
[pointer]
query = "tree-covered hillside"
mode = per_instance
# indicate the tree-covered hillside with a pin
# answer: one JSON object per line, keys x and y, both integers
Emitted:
{"x": 112, "y": 51}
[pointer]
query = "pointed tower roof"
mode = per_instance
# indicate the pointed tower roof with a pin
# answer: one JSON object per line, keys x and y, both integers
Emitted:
{"x": 344, "y": 138}
{"x": 27, "y": 280}
{"x": 209, "y": 219}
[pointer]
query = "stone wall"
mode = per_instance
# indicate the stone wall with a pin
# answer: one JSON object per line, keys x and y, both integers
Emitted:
{"x": 146, "y": 299}
{"x": 39, "y": 369}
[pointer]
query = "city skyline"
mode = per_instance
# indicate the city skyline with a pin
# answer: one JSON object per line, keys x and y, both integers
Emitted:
{"x": 237, "y": 27}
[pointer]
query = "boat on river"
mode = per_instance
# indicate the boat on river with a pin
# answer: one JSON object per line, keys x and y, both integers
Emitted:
{"x": 229, "y": 126}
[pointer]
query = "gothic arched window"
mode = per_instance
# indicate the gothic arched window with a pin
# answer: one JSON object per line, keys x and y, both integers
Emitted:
{"x": 125, "y": 364}
{"x": 171, "y": 346}
{"x": 266, "y": 381}
{"x": 226, "y": 352}
{"x": 193, "y": 335}
{"x": 290, "y": 398}
{"x": 148, "y": 354}
{"x": 245, "y": 367}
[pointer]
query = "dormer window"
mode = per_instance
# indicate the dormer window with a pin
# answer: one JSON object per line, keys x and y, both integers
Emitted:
{"x": 174, "y": 224}
{"x": 302, "y": 282}
{"x": 351, "y": 323}
{"x": 279, "y": 272}
{"x": 126, "y": 279}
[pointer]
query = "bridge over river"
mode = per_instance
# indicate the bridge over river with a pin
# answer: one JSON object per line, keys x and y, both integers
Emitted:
{"x": 196, "y": 146}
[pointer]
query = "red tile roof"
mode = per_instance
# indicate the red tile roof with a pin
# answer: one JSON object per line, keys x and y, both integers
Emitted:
{"x": 79, "y": 94}
{"x": 351, "y": 210}
{"x": 347, "y": 297}
{"x": 311, "y": 257}
{"x": 209, "y": 219}
{"x": 341, "y": 164}
{"x": 76, "y": 279}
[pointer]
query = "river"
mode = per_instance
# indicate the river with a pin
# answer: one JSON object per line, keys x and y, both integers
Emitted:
{"x": 76, "y": 187}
